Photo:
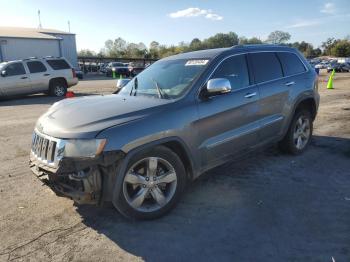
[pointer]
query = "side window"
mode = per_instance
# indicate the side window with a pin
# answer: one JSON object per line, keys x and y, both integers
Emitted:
{"x": 36, "y": 67}
{"x": 15, "y": 69}
{"x": 58, "y": 64}
{"x": 266, "y": 66}
{"x": 291, "y": 63}
{"x": 235, "y": 70}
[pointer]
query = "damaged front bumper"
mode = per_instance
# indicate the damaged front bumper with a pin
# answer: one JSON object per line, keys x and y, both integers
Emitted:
{"x": 85, "y": 180}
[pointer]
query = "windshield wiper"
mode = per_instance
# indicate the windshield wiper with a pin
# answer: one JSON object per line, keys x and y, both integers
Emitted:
{"x": 161, "y": 93}
{"x": 134, "y": 86}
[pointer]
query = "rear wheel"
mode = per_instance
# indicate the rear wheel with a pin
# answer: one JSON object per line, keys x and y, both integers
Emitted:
{"x": 299, "y": 133}
{"x": 152, "y": 184}
{"x": 58, "y": 88}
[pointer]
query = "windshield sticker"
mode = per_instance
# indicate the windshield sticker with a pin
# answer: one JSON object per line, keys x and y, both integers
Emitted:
{"x": 196, "y": 62}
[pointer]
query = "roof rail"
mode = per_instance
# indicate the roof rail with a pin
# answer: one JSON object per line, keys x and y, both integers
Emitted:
{"x": 30, "y": 58}
{"x": 256, "y": 45}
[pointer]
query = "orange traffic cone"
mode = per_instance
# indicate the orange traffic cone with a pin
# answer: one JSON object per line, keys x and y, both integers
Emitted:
{"x": 70, "y": 94}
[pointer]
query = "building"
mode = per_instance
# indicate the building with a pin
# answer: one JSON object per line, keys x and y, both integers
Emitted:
{"x": 19, "y": 43}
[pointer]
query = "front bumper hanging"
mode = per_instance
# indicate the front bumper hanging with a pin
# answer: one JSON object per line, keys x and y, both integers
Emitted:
{"x": 85, "y": 180}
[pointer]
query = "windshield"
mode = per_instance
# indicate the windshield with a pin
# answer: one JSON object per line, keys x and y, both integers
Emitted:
{"x": 166, "y": 79}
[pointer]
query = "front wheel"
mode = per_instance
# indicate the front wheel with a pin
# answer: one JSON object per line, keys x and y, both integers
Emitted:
{"x": 152, "y": 184}
{"x": 299, "y": 133}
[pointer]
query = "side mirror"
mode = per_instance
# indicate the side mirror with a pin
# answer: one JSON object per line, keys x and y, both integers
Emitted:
{"x": 120, "y": 84}
{"x": 3, "y": 73}
{"x": 218, "y": 86}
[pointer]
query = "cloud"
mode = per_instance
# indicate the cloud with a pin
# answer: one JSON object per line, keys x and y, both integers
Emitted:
{"x": 304, "y": 23}
{"x": 328, "y": 8}
{"x": 195, "y": 12}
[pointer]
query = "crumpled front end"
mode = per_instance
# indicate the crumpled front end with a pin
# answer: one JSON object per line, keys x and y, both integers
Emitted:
{"x": 85, "y": 180}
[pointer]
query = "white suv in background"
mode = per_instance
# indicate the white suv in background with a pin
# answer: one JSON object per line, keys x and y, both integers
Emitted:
{"x": 28, "y": 76}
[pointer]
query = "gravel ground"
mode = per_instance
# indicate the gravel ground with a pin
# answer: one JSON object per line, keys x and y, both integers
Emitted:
{"x": 266, "y": 207}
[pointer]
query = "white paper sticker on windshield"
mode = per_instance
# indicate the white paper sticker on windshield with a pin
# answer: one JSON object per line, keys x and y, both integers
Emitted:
{"x": 196, "y": 62}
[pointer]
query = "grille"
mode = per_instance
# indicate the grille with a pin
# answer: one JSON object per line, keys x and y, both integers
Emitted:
{"x": 43, "y": 148}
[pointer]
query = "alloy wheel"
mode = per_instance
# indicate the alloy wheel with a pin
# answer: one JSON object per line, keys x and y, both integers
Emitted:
{"x": 149, "y": 184}
{"x": 302, "y": 132}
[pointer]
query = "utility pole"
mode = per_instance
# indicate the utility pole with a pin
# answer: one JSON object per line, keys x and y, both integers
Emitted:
{"x": 68, "y": 26}
{"x": 39, "y": 19}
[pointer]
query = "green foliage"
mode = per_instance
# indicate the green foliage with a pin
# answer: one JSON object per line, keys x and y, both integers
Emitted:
{"x": 120, "y": 48}
{"x": 86, "y": 53}
{"x": 341, "y": 48}
{"x": 278, "y": 37}
{"x": 249, "y": 41}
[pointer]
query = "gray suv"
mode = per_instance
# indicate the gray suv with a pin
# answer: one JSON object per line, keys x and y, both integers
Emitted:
{"x": 181, "y": 116}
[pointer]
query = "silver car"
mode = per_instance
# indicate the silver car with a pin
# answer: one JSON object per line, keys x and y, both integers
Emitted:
{"x": 30, "y": 76}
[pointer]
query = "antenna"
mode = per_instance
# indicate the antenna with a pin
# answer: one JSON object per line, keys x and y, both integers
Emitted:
{"x": 39, "y": 19}
{"x": 68, "y": 26}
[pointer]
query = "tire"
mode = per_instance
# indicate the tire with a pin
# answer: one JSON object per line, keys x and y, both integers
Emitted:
{"x": 58, "y": 88}
{"x": 157, "y": 161}
{"x": 290, "y": 143}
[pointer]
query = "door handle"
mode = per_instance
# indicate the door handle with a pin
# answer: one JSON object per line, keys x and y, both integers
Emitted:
{"x": 24, "y": 77}
{"x": 290, "y": 83}
{"x": 46, "y": 74}
{"x": 249, "y": 95}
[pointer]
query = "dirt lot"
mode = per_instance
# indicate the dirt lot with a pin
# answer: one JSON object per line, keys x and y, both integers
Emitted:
{"x": 268, "y": 207}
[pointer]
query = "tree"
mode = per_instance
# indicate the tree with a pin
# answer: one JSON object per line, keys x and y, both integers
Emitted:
{"x": 278, "y": 37}
{"x": 328, "y": 45}
{"x": 341, "y": 49}
{"x": 86, "y": 53}
{"x": 195, "y": 44}
{"x": 220, "y": 40}
{"x": 251, "y": 41}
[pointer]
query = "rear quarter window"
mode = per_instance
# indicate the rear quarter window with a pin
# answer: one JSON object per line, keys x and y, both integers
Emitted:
{"x": 58, "y": 64}
{"x": 266, "y": 66}
{"x": 291, "y": 63}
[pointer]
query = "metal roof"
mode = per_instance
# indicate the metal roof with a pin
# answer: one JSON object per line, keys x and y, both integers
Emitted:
{"x": 36, "y": 33}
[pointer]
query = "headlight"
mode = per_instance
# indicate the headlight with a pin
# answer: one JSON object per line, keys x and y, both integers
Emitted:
{"x": 83, "y": 147}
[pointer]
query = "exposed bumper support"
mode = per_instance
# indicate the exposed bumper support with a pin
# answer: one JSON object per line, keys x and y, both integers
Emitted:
{"x": 85, "y": 180}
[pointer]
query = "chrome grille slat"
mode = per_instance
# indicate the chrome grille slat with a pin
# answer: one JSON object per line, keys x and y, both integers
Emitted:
{"x": 43, "y": 148}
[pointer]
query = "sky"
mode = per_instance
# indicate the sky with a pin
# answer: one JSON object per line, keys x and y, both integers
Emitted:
{"x": 172, "y": 21}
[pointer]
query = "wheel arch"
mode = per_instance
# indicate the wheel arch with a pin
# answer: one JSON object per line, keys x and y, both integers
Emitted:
{"x": 308, "y": 103}
{"x": 52, "y": 80}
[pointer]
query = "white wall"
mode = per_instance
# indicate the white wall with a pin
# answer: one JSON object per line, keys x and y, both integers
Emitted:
{"x": 69, "y": 49}
{"x": 20, "y": 48}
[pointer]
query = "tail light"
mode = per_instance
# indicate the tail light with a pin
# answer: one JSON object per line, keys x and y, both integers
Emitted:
{"x": 74, "y": 73}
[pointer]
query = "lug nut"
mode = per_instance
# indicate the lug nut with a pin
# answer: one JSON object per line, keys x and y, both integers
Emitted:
{"x": 143, "y": 185}
{"x": 147, "y": 178}
{"x": 154, "y": 178}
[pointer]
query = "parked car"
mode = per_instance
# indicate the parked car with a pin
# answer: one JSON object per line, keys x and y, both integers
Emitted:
{"x": 103, "y": 67}
{"x": 118, "y": 68}
{"x": 344, "y": 67}
{"x": 180, "y": 117}
{"x": 29, "y": 76}
{"x": 79, "y": 73}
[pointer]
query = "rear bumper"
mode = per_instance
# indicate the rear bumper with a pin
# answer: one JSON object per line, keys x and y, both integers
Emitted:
{"x": 86, "y": 181}
{"x": 72, "y": 82}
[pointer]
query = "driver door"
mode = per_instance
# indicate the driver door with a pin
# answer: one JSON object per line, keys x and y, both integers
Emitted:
{"x": 229, "y": 123}
{"x": 16, "y": 80}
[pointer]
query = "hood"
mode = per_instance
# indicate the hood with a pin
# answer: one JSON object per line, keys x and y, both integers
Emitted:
{"x": 85, "y": 117}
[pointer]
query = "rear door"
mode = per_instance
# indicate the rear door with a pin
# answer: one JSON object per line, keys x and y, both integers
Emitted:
{"x": 39, "y": 76}
{"x": 16, "y": 81}
{"x": 274, "y": 93}
{"x": 228, "y": 123}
